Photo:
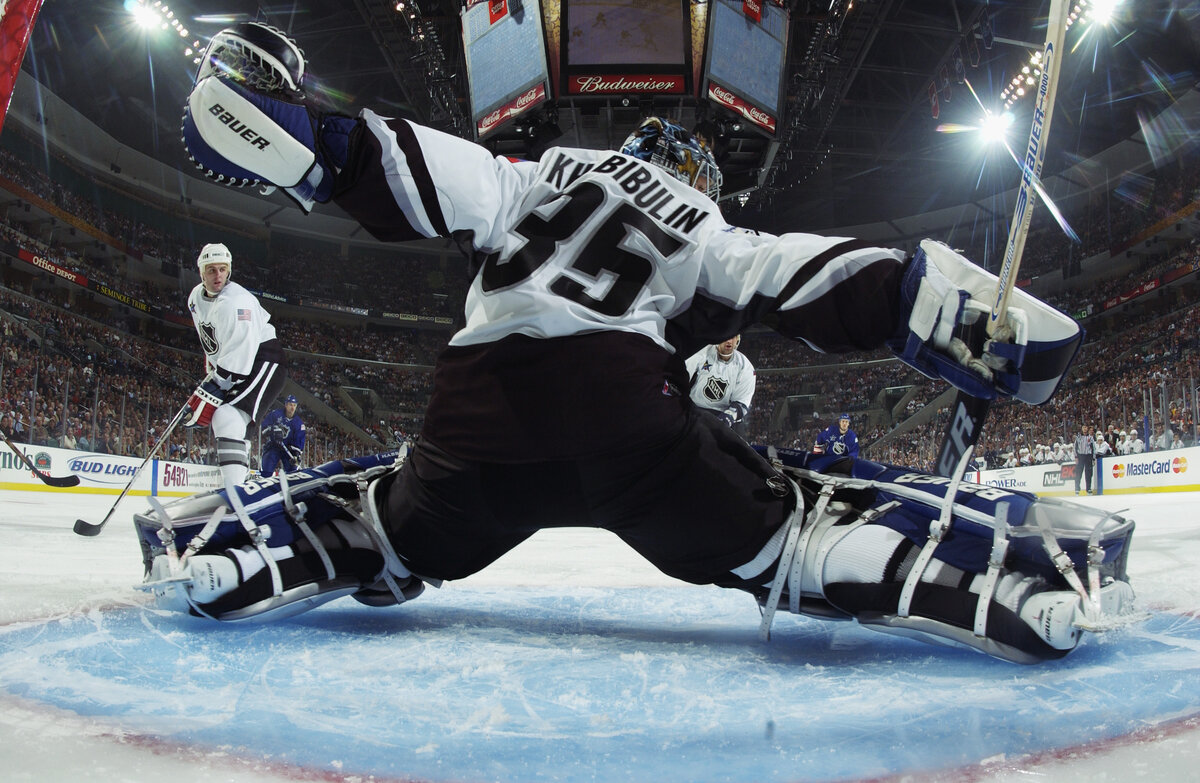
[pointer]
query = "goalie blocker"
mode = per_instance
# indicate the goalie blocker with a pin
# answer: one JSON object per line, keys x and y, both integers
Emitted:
{"x": 897, "y": 550}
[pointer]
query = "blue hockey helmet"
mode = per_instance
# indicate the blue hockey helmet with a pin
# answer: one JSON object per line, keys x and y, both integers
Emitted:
{"x": 290, "y": 398}
{"x": 845, "y": 416}
{"x": 665, "y": 144}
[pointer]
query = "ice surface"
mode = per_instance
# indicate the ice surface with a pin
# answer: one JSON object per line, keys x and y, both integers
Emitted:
{"x": 570, "y": 659}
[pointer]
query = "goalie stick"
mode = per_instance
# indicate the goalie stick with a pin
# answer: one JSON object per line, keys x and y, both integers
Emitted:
{"x": 53, "y": 481}
{"x": 85, "y": 528}
{"x": 968, "y": 413}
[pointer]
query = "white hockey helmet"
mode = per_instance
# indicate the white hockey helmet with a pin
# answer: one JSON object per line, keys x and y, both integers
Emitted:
{"x": 214, "y": 253}
{"x": 1100, "y": 437}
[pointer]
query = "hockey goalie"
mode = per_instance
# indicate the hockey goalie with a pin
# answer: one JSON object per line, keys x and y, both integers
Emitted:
{"x": 562, "y": 399}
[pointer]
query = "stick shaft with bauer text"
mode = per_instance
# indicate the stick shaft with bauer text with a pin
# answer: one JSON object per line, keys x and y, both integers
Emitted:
{"x": 968, "y": 413}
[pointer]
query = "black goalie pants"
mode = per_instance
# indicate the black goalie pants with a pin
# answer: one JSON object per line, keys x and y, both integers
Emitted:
{"x": 696, "y": 506}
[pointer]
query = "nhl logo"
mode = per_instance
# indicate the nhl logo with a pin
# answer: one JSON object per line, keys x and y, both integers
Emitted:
{"x": 715, "y": 389}
{"x": 208, "y": 338}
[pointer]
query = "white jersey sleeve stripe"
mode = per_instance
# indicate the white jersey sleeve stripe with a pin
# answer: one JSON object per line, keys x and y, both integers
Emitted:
{"x": 406, "y": 180}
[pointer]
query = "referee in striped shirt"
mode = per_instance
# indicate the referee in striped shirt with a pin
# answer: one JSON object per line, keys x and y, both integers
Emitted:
{"x": 1085, "y": 450}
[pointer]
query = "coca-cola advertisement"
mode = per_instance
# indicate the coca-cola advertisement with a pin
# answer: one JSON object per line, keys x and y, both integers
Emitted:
{"x": 725, "y": 97}
{"x": 506, "y": 60}
{"x": 517, "y": 106}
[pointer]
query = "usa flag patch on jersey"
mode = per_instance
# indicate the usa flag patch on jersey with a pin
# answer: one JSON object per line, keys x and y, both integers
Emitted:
{"x": 243, "y": 314}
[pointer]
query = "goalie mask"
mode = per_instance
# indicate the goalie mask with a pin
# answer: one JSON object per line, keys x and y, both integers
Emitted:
{"x": 255, "y": 54}
{"x": 667, "y": 145}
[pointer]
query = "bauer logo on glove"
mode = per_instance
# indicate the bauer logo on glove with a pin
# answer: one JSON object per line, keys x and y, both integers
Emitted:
{"x": 246, "y": 120}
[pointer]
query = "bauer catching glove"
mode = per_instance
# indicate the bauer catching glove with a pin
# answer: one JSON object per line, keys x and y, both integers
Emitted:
{"x": 247, "y": 122}
{"x": 947, "y": 299}
{"x": 204, "y": 401}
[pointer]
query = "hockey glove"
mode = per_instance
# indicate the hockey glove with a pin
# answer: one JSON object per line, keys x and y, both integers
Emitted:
{"x": 947, "y": 300}
{"x": 294, "y": 452}
{"x": 204, "y": 401}
{"x": 733, "y": 414}
{"x": 246, "y": 120}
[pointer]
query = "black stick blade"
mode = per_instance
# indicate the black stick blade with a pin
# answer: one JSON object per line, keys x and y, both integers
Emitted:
{"x": 85, "y": 528}
{"x": 59, "y": 481}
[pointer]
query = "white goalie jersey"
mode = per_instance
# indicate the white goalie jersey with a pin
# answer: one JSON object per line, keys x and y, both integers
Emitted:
{"x": 591, "y": 240}
{"x": 594, "y": 276}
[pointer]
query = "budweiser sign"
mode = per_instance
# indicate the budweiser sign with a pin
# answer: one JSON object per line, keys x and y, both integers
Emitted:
{"x": 518, "y": 105}
{"x": 727, "y": 99}
{"x": 609, "y": 85}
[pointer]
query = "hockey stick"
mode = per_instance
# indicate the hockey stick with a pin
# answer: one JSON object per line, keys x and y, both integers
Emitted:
{"x": 85, "y": 528}
{"x": 54, "y": 481}
{"x": 968, "y": 413}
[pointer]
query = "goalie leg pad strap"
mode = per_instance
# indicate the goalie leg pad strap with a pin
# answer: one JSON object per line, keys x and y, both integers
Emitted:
{"x": 997, "y": 571}
{"x": 296, "y": 541}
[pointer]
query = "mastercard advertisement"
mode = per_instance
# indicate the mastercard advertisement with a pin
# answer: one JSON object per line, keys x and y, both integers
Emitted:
{"x": 1159, "y": 471}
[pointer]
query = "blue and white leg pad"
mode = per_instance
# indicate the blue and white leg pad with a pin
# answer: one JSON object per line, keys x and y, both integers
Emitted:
{"x": 271, "y": 548}
{"x": 999, "y": 571}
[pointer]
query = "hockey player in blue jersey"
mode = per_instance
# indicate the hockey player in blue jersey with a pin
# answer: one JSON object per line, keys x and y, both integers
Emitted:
{"x": 283, "y": 434}
{"x": 838, "y": 439}
{"x": 561, "y": 401}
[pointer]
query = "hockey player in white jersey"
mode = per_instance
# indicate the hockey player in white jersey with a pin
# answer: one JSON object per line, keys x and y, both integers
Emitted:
{"x": 559, "y": 402}
{"x": 243, "y": 360}
{"x": 722, "y": 381}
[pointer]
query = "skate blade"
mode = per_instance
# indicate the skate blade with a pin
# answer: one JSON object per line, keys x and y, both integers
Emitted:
{"x": 147, "y": 587}
{"x": 1110, "y": 622}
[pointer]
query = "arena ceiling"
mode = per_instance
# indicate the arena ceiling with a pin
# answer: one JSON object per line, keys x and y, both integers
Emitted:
{"x": 859, "y": 142}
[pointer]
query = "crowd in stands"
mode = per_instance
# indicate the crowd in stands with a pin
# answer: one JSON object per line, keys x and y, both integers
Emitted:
{"x": 412, "y": 283}
{"x": 1106, "y": 221}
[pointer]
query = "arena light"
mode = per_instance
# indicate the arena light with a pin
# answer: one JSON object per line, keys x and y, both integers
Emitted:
{"x": 1094, "y": 12}
{"x": 1102, "y": 11}
{"x": 994, "y": 127}
{"x": 144, "y": 16}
